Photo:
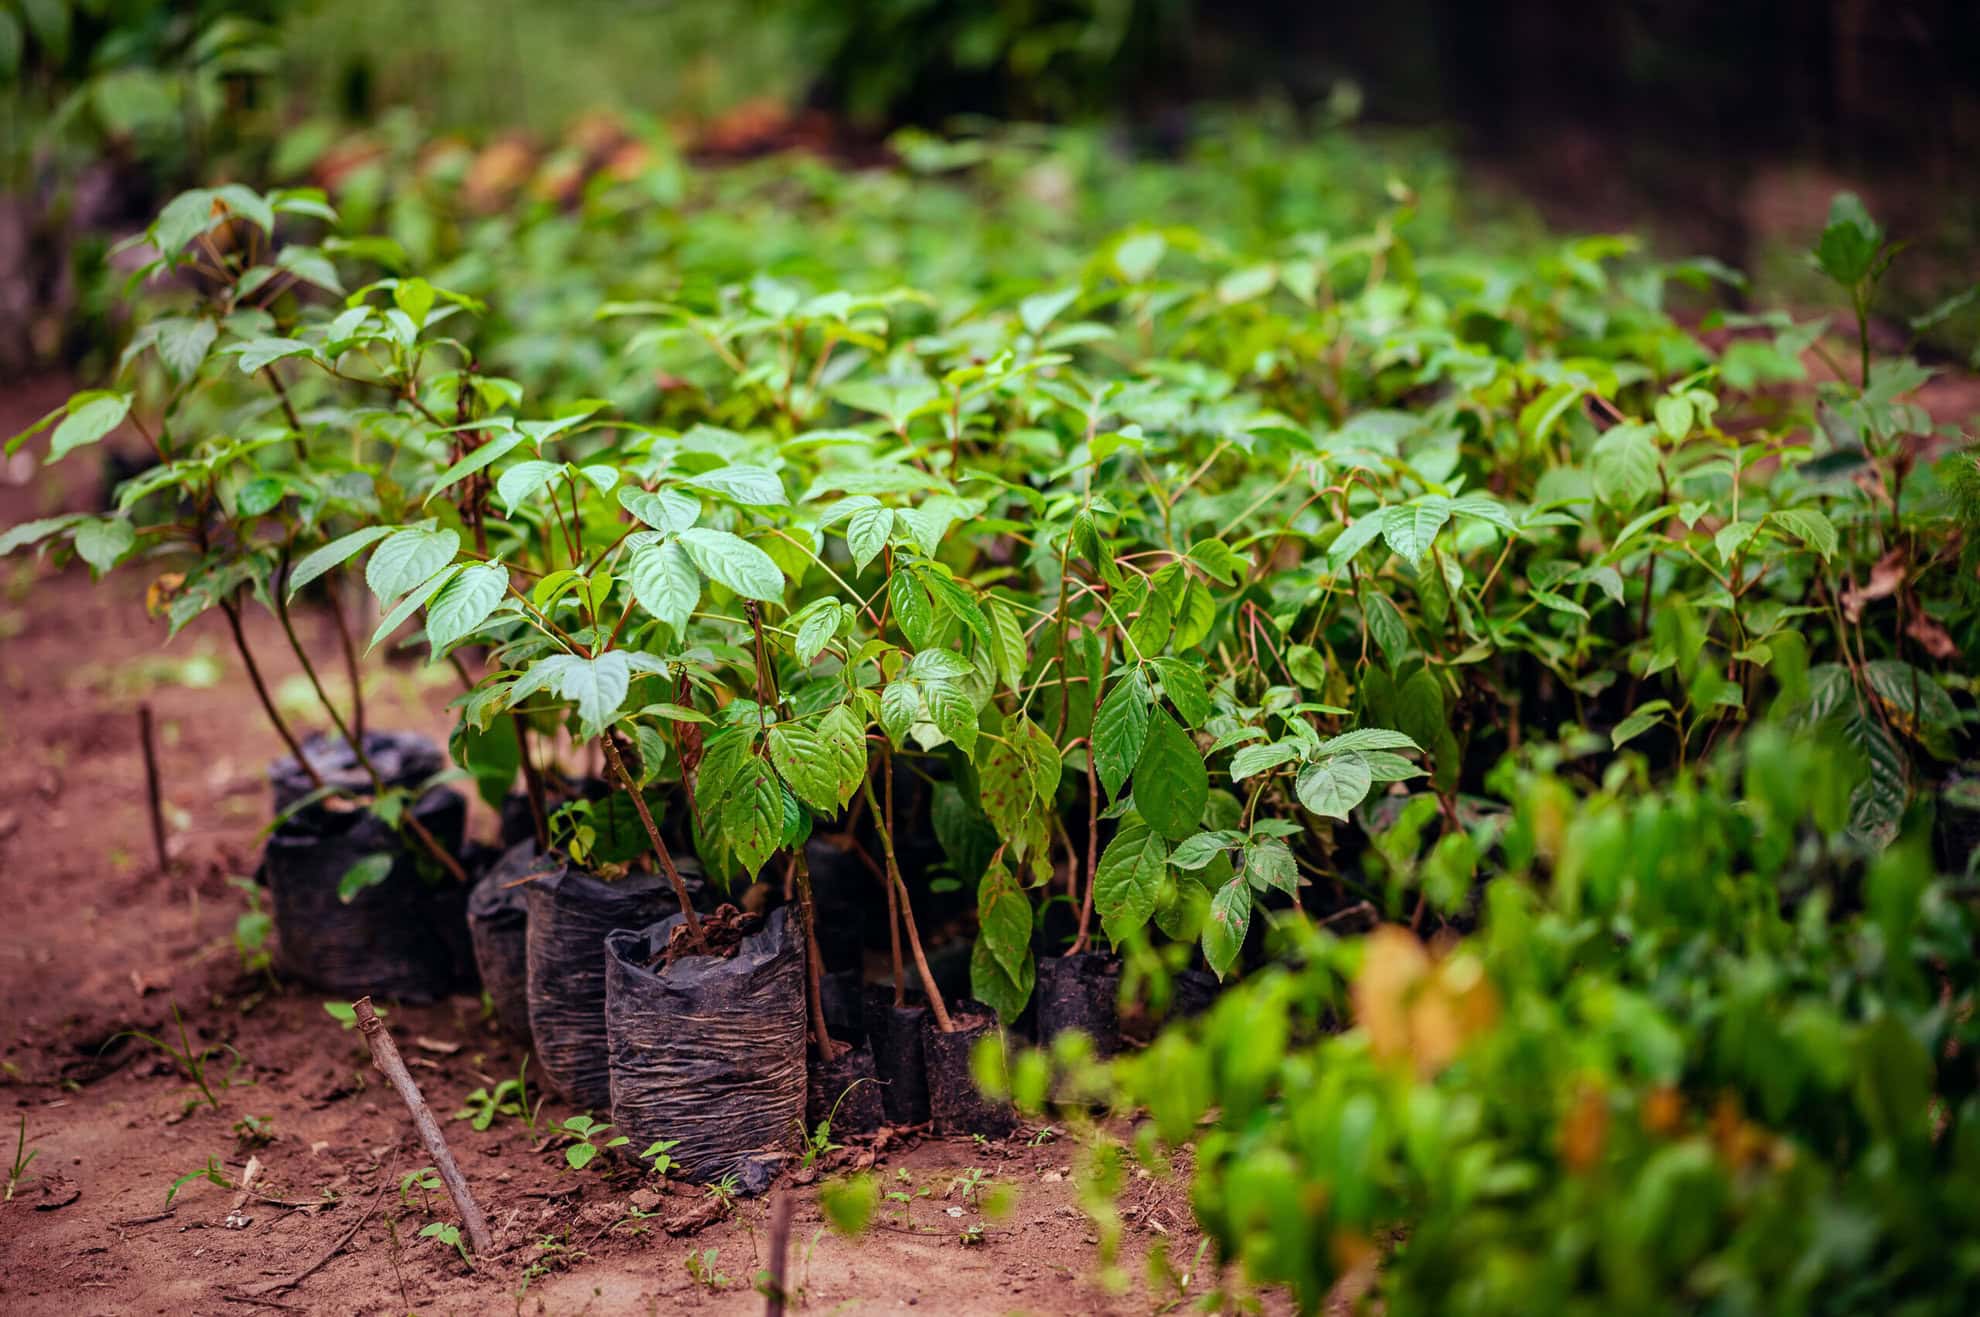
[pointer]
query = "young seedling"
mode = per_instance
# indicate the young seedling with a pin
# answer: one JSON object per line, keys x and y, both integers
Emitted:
{"x": 448, "y": 1235}
{"x": 254, "y": 1131}
{"x": 701, "y": 1268}
{"x": 193, "y": 1062}
{"x": 656, "y": 1155}
{"x": 213, "y": 1173}
{"x": 23, "y": 1157}
{"x": 425, "y": 1181}
{"x": 591, "y": 1136}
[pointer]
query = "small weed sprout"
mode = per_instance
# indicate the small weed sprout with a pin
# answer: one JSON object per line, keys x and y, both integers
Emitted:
{"x": 657, "y": 1152}
{"x": 23, "y": 1157}
{"x": 192, "y": 1061}
{"x": 591, "y": 1140}
{"x": 213, "y": 1173}
{"x": 700, "y": 1264}
{"x": 449, "y": 1236}
{"x": 426, "y": 1180}
{"x": 255, "y": 1131}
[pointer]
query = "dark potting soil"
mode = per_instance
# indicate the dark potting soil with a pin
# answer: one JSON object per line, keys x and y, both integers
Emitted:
{"x": 955, "y": 1103}
{"x": 397, "y": 938}
{"x": 710, "y": 1050}
{"x": 498, "y": 923}
{"x": 1080, "y": 992}
{"x": 722, "y": 935}
{"x": 841, "y": 996}
{"x": 846, "y": 1092}
{"x": 1192, "y": 992}
{"x": 570, "y": 913}
{"x": 894, "y": 1033}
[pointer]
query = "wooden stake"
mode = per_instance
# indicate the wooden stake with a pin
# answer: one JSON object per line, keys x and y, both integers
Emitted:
{"x": 774, "y": 1295}
{"x": 385, "y": 1055}
{"x": 151, "y": 787}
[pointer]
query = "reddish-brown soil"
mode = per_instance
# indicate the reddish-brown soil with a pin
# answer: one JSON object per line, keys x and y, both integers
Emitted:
{"x": 97, "y": 941}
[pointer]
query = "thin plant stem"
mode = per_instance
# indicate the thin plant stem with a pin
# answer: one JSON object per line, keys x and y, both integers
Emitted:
{"x": 935, "y": 1004}
{"x": 618, "y": 766}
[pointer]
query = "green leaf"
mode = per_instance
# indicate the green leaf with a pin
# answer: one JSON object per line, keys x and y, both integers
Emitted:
{"x": 993, "y": 985}
{"x": 1194, "y": 852}
{"x": 409, "y": 605}
{"x": 912, "y": 612}
{"x": 1252, "y": 760}
{"x": 407, "y": 558}
{"x": 1268, "y": 862}
{"x": 950, "y": 595}
{"x": 666, "y": 510}
{"x": 753, "y": 814}
{"x": 749, "y": 486}
{"x": 1674, "y": 416}
{"x": 867, "y": 534}
{"x": 33, "y": 532}
{"x": 734, "y": 562}
{"x": 1149, "y": 634}
{"x": 102, "y": 541}
{"x": 1182, "y": 682}
{"x": 815, "y": 632}
{"x": 1222, "y": 563}
{"x": 1847, "y": 249}
{"x": 368, "y": 872}
{"x": 334, "y": 554}
{"x": 665, "y": 583}
{"x": 484, "y": 456}
{"x": 1639, "y": 722}
{"x": 1356, "y": 538}
{"x": 1120, "y": 730}
{"x": 1229, "y": 921}
{"x": 823, "y": 763}
{"x": 1003, "y": 919}
{"x": 1366, "y": 738}
{"x": 1410, "y": 529}
{"x": 463, "y": 604}
{"x": 1007, "y": 647}
{"x": 98, "y": 415}
{"x": 1334, "y": 786}
{"x": 1171, "y": 786}
{"x": 1624, "y": 465}
{"x": 264, "y": 352}
{"x": 1809, "y": 526}
{"x": 597, "y": 686}
{"x": 1129, "y": 876}
{"x": 521, "y": 482}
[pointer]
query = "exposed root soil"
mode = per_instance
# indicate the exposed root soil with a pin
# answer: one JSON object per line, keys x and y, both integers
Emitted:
{"x": 722, "y": 936}
{"x": 97, "y": 942}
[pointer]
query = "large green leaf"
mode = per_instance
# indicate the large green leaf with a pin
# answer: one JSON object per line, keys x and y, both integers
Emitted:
{"x": 464, "y": 603}
{"x": 822, "y": 761}
{"x": 1129, "y": 876}
{"x": 666, "y": 510}
{"x": 665, "y": 583}
{"x": 1003, "y": 919}
{"x": 89, "y": 422}
{"x": 1334, "y": 786}
{"x": 1229, "y": 921}
{"x": 734, "y": 562}
{"x": 1410, "y": 528}
{"x": 1171, "y": 786}
{"x": 751, "y": 486}
{"x": 407, "y": 558}
{"x": 1120, "y": 730}
{"x": 867, "y": 534}
{"x": 752, "y": 814}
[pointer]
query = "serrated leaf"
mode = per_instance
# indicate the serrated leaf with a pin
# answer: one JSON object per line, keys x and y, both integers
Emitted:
{"x": 1333, "y": 787}
{"x": 665, "y": 583}
{"x": 1197, "y": 850}
{"x": 1809, "y": 526}
{"x": 1411, "y": 528}
{"x": 1222, "y": 563}
{"x": 485, "y": 456}
{"x": 1624, "y": 464}
{"x": 950, "y": 596}
{"x": 734, "y": 562}
{"x": 913, "y": 613}
{"x": 1224, "y": 931}
{"x": 816, "y": 632}
{"x": 1003, "y": 918}
{"x": 409, "y": 605}
{"x": 824, "y": 762}
{"x": 663, "y": 510}
{"x": 752, "y": 814}
{"x": 463, "y": 604}
{"x": 1268, "y": 863}
{"x": 1366, "y": 738}
{"x": 1128, "y": 877}
{"x": 1120, "y": 729}
{"x": 1171, "y": 786}
{"x": 991, "y": 984}
{"x": 749, "y": 486}
{"x": 1182, "y": 682}
{"x": 1356, "y": 538}
{"x": 408, "y": 557}
{"x": 597, "y": 686}
{"x": 88, "y": 423}
{"x": 1007, "y": 647}
{"x": 521, "y": 482}
{"x": 867, "y": 534}
{"x": 1255, "y": 759}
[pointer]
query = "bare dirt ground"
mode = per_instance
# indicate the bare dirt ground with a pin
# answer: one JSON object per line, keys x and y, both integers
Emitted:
{"x": 97, "y": 941}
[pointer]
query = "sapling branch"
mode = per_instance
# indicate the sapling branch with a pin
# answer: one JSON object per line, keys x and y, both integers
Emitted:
{"x": 660, "y": 851}
{"x": 233, "y": 612}
{"x": 814, "y": 961}
{"x": 880, "y": 820}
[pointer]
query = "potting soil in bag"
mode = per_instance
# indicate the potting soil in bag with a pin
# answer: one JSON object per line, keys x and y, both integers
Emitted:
{"x": 845, "y": 1092}
{"x": 895, "y": 1035}
{"x": 1080, "y": 991}
{"x": 498, "y": 922}
{"x": 388, "y": 939}
{"x": 955, "y": 1103}
{"x": 403, "y": 759}
{"x": 570, "y": 912}
{"x": 710, "y": 1049}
